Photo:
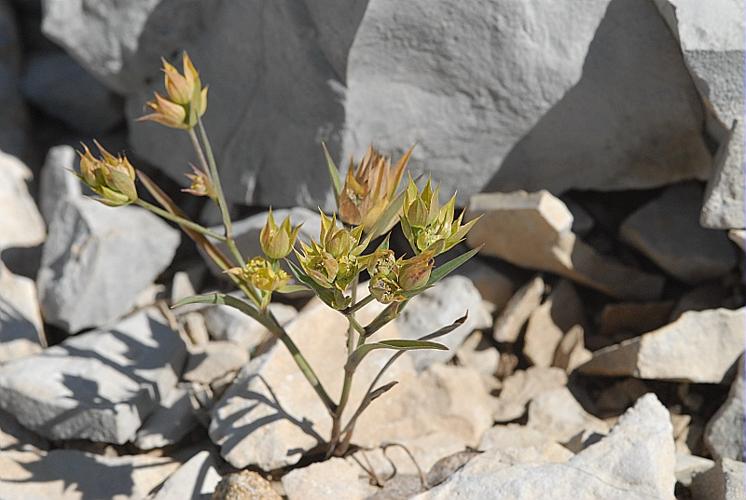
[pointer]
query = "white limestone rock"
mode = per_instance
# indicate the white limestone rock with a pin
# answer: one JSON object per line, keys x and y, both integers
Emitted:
{"x": 21, "y": 224}
{"x": 21, "y": 329}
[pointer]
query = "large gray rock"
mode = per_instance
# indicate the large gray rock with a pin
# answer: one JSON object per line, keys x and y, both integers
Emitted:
{"x": 57, "y": 184}
{"x": 534, "y": 230}
{"x": 97, "y": 259}
{"x": 711, "y": 36}
{"x": 635, "y": 461}
{"x": 335, "y": 478}
{"x": 226, "y": 323}
{"x": 699, "y": 347}
{"x": 61, "y": 88}
{"x": 667, "y": 230}
{"x": 99, "y": 385}
{"x": 169, "y": 422}
{"x": 558, "y": 415}
{"x": 724, "y": 432}
{"x": 195, "y": 480}
{"x": 21, "y": 329}
{"x": 21, "y": 224}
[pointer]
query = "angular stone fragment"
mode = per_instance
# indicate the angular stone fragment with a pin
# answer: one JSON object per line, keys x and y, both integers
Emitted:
{"x": 558, "y": 415}
{"x": 478, "y": 354}
{"x": 334, "y": 478}
{"x": 21, "y": 329}
{"x": 244, "y": 484}
{"x": 214, "y": 360}
{"x": 226, "y": 323}
{"x": 513, "y": 436}
{"x": 96, "y": 261}
{"x": 724, "y": 432}
{"x": 571, "y": 352}
{"x": 699, "y": 347}
{"x": 533, "y": 230}
{"x": 21, "y": 224}
{"x": 99, "y": 385}
{"x": 520, "y": 306}
{"x": 722, "y": 482}
{"x": 522, "y": 387}
{"x": 57, "y": 183}
{"x": 170, "y": 421}
{"x": 688, "y": 466}
{"x": 667, "y": 230}
{"x": 195, "y": 480}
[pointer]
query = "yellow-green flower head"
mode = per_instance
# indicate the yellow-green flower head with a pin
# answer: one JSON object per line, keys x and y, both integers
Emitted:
{"x": 111, "y": 177}
{"x": 201, "y": 184}
{"x": 186, "y": 99}
{"x": 428, "y": 226}
{"x": 385, "y": 289}
{"x": 277, "y": 241}
{"x": 415, "y": 272}
{"x": 369, "y": 188}
{"x": 261, "y": 274}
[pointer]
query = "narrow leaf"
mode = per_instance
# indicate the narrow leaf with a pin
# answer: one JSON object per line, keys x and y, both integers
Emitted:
{"x": 446, "y": 329}
{"x": 222, "y": 299}
{"x": 333, "y": 171}
{"x": 395, "y": 344}
{"x": 293, "y": 289}
{"x": 444, "y": 270}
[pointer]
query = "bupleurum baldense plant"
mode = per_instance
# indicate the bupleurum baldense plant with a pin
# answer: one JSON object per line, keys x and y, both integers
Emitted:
{"x": 368, "y": 207}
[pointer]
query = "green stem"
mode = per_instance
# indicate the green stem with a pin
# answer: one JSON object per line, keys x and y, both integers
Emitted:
{"x": 178, "y": 220}
{"x": 359, "y": 305}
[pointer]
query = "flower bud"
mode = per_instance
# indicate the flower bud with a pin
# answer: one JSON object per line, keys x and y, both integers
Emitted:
{"x": 111, "y": 177}
{"x": 277, "y": 241}
{"x": 382, "y": 262}
{"x": 384, "y": 289}
{"x": 201, "y": 184}
{"x": 261, "y": 274}
{"x": 415, "y": 272}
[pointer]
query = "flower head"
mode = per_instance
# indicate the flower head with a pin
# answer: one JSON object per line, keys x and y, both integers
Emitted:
{"x": 201, "y": 184}
{"x": 261, "y": 274}
{"x": 428, "y": 226}
{"x": 186, "y": 101}
{"x": 111, "y": 177}
{"x": 369, "y": 188}
{"x": 389, "y": 280}
{"x": 277, "y": 241}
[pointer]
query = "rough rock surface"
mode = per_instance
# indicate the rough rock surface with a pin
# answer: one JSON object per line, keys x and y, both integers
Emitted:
{"x": 97, "y": 259}
{"x": 214, "y": 360}
{"x": 437, "y": 307}
{"x": 513, "y": 436}
{"x": 335, "y": 478}
{"x": 711, "y": 37}
{"x": 722, "y": 482}
{"x": 170, "y": 421}
{"x": 245, "y": 484}
{"x": 724, "y": 432}
{"x": 225, "y": 323}
{"x": 57, "y": 184}
{"x": 21, "y": 329}
{"x": 195, "y": 480}
{"x": 559, "y": 416}
{"x": 688, "y": 466}
{"x": 635, "y": 461}
{"x": 21, "y": 224}
{"x": 699, "y": 347}
{"x": 99, "y": 385}
{"x": 533, "y": 230}
{"x": 518, "y": 309}
{"x": 667, "y": 230}
{"x": 522, "y": 387}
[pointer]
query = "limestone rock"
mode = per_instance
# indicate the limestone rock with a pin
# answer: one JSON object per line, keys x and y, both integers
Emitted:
{"x": 194, "y": 480}
{"x": 195, "y": 328}
{"x": 169, "y": 422}
{"x": 75, "y": 475}
{"x": 214, "y": 360}
{"x": 13, "y": 436}
{"x": 21, "y": 329}
{"x": 334, "y": 478}
{"x": 225, "y": 323}
{"x": 97, "y": 259}
{"x": 494, "y": 285}
{"x": 722, "y": 482}
{"x": 688, "y": 466}
{"x": 699, "y": 347}
{"x": 724, "y": 432}
{"x": 571, "y": 352}
{"x": 667, "y": 230}
{"x": 246, "y": 485}
{"x": 440, "y": 306}
{"x": 635, "y": 461}
{"x": 518, "y": 309}
{"x": 513, "y": 436}
{"x": 57, "y": 183}
{"x": 558, "y": 415}
{"x": 21, "y": 224}
{"x": 522, "y": 387}
{"x": 478, "y": 354}
{"x": 533, "y": 230}
{"x": 712, "y": 43}
{"x": 99, "y": 385}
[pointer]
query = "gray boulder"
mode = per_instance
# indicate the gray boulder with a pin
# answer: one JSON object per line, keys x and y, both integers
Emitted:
{"x": 57, "y": 184}
{"x": 195, "y": 480}
{"x": 99, "y": 385}
{"x": 96, "y": 261}
{"x": 21, "y": 224}
{"x": 170, "y": 421}
{"x": 21, "y": 329}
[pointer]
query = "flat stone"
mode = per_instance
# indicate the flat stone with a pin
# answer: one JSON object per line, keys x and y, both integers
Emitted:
{"x": 688, "y": 466}
{"x": 557, "y": 414}
{"x": 21, "y": 329}
{"x": 245, "y": 484}
{"x": 513, "y": 436}
{"x": 724, "y": 481}
{"x": 195, "y": 480}
{"x": 99, "y": 385}
{"x": 533, "y": 230}
{"x": 75, "y": 475}
{"x": 635, "y": 461}
{"x": 21, "y": 224}
{"x": 738, "y": 236}
{"x": 97, "y": 259}
{"x": 724, "y": 432}
{"x": 437, "y": 307}
{"x": 699, "y": 347}
{"x": 548, "y": 323}
{"x": 169, "y": 422}
{"x": 522, "y": 387}
{"x": 634, "y": 318}
{"x": 571, "y": 352}
{"x": 712, "y": 43}
{"x": 518, "y": 309}
{"x": 226, "y": 323}
{"x": 667, "y": 230}
{"x": 334, "y": 478}
{"x": 213, "y": 360}
{"x": 57, "y": 182}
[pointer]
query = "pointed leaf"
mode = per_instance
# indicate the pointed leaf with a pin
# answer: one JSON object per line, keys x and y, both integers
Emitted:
{"x": 293, "y": 289}
{"x": 222, "y": 299}
{"x": 395, "y": 344}
{"x": 333, "y": 171}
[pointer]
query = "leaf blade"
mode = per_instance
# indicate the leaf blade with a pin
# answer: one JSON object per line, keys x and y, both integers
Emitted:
{"x": 333, "y": 170}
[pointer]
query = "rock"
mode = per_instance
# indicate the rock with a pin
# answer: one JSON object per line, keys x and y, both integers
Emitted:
{"x": 667, "y": 230}
{"x": 21, "y": 329}
{"x": 169, "y": 422}
{"x": 99, "y": 385}
{"x": 711, "y": 42}
{"x": 681, "y": 425}
{"x": 62, "y": 89}
{"x": 635, "y": 461}
{"x": 533, "y": 230}
{"x": 195, "y": 327}
{"x": 21, "y": 224}
{"x": 194, "y": 480}
{"x": 14, "y": 122}
{"x": 561, "y": 311}
{"x": 688, "y": 466}
{"x": 478, "y": 354}
{"x": 699, "y": 347}
{"x": 520, "y": 306}
{"x": 181, "y": 287}
{"x": 214, "y": 360}
{"x": 97, "y": 259}
{"x": 494, "y": 286}
{"x": 556, "y": 414}
{"x": 244, "y": 485}
{"x": 225, "y": 323}
{"x": 13, "y": 436}
{"x": 57, "y": 183}
{"x": 634, "y": 318}
{"x": 724, "y": 481}
{"x": 701, "y": 298}
{"x": 571, "y": 351}
{"x": 334, "y": 478}
{"x": 738, "y": 236}
{"x": 522, "y": 387}
{"x": 620, "y": 396}
{"x": 724, "y": 432}
{"x": 437, "y": 307}
{"x": 582, "y": 222}
{"x": 513, "y": 436}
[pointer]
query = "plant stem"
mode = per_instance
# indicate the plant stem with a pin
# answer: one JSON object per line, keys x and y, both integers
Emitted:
{"x": 359, "y": 305}
{"x": 178, "y": 220}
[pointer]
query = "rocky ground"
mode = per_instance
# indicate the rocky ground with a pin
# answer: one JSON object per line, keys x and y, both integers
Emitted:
{"x": 602, "y": 357}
